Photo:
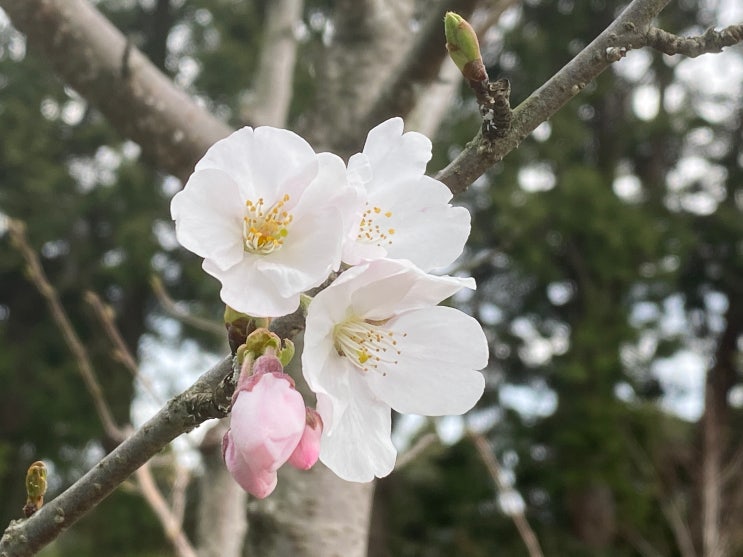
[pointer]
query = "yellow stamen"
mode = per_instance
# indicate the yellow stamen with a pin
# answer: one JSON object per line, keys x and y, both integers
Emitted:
{"x": 264, "y": 228}
{"x": 370, "y": 231}
{"x": 367, "y": 344}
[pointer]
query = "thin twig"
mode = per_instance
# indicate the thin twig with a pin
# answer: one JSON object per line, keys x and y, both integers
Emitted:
{"x": 416, "y": 450}
{"x": 710, "y": 42}
{"x": 105, "y": 315}
{"x": 17, "y": 230}
{"x": 148, "y": 488}
{"x": 668, "y": 506}
{"x": 121, "y": 353}
{"x": 208, "y": 398}
{"x": 519, "y": 518}
{"x": 170, "y": 521}
{"x": 172, "y": 308}
{"x": 178, "y": 492}
{"x": 731, "y": 471}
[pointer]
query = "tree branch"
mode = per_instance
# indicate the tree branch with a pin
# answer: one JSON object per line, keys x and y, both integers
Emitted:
{"x": 268, "y": 103}
{"x": 172, "y": 309}
{"x": 711, "y": 41}
{"x": 519, "y": 518}
{"x": 90, "y": 54}
{"x": 37, "y": 276}
{"x": 630, "y": 30}
{"x": 208, "y": 398}
{"x": 170, "y": 521}
{"x": 420, "y": 66}
{"x": 370, "y": 38}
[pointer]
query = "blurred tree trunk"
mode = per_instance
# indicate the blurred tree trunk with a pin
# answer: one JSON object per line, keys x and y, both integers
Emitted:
{"x": 311, "y": 514}
{"x": 717, "y": 525}
{"x": 221, "y": 521}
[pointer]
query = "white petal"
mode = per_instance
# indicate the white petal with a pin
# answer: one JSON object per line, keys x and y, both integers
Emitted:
{"x": 435, "y": 374}
{"x": 395, "y": 156}
{"x": 208, "y": 215}
{"x": 428, "y": 230}
{"x": 331, "y": 379}
{"x": 359, "y": 170}
{"x": 311, "y": 250}
{"x": 386, "y": 287}
{"x": 262, "y": 161}
{"x": 359, "y": 447}
{"x": 246, "y": 289}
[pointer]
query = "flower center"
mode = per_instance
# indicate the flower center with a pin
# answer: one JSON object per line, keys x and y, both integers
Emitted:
{"x": 264, "y": 228}
{"x": 372, "y": 229}
{"x": 367, "y": 344}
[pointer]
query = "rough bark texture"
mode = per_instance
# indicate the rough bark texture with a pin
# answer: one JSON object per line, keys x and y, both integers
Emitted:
{"x": 90, "y": 54}
{"x": 311, "y": 513}
{"x": 419, "y": 66}
{"x": 371, "y": 37}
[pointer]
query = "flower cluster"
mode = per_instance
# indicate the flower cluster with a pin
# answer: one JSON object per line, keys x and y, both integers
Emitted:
{"x": 273, "y": 219}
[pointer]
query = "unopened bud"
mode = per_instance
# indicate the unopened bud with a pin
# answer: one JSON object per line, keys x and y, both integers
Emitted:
{"x": 463, "y": 47}
{"x": 35, "y": 488}
{"x": 262, "y": 340}
{"x": 307, "y": 452}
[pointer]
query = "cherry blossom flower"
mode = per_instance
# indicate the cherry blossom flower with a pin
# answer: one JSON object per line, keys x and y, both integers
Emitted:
{"x": 268, "y": 215}
{"x": 404, "y": 213}
{"x": 375, "y": 340}
{"x": 269, "y": 426}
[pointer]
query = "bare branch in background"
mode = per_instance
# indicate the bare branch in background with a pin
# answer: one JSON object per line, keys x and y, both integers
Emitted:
{"x": 519, "y": 518}
{"x": 208, "y": 397}
{"x": 171, "y": 522}
{"x": 171, "y": 307}
{"x": 419, "y": 68}
{"x": 415, "y": 451}
{"x": 121, "y": 353}
{"x": 37, "y": 276}
{"x": 268, "y": 102}
{"x": 90, "y": 54}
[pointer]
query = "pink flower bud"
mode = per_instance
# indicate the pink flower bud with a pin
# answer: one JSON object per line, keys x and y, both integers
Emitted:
{"x": 268, "y": 363}
{"x": 306, "y": 453}
{"x": 268, "y": 421}
{"x": 252, "y": 371}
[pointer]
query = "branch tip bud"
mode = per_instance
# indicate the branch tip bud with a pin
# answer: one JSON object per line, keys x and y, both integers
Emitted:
{"x": 463, "y": 47}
